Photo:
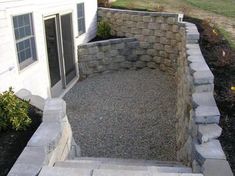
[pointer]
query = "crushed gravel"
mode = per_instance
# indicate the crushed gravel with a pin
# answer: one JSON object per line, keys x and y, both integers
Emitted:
{"x": 128, "y": 114}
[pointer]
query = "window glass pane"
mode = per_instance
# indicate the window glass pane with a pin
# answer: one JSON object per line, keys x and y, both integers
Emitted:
{"x": 25, "y": 42}
{"x": 80, "y": 10}
{"x": 81, "y": 19}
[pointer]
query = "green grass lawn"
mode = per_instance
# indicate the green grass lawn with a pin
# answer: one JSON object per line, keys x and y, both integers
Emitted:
{"x": 192, "y": 8}
{"x": 222, "y": 7}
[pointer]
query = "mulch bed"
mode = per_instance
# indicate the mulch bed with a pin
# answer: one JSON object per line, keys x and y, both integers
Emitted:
{"x": 96, "y": 39}
{"x": 221, "y": 60}
{"x": 13, "y": 142}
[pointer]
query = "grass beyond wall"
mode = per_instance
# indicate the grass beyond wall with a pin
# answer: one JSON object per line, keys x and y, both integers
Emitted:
{"x": 202, "y": 9}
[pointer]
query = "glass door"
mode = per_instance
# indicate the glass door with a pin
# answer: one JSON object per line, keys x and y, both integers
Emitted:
{"x": 68, "y": 47}
{"x": 52, "y": 43}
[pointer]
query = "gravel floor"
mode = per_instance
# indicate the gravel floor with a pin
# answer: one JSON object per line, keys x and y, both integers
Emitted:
{"x": 128, "y": 114}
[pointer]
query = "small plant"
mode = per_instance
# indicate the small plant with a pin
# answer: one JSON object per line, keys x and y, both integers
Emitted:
{"x": 13, "y": 112}
{"x": 104, "y": 3}
{"x": 104, "y": 30}
{"x": 158, "y": 8}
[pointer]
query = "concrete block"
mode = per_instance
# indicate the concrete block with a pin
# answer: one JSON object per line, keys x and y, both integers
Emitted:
{"x": 216, "y": 167}
{"x": 200, "y": 66}
{"x": 209, "y": 150}
{"x": 29, "y": 162}
{"x": 203, "y": 99}
{"x": 203, "y": 88}
{"x": 54, "y": 110}
{"x": 196, "y": 59}
{"x": 208, "y": 132}
{"x": 203, "y": 77}
{"x": 47, "y": 136}
{"x": 207, "y": 114}
{"x": 36, "y": 101}
{"x": 22, "y": 93}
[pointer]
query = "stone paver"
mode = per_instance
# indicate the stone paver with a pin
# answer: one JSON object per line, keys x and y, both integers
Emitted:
{"x": 126, "y": 114}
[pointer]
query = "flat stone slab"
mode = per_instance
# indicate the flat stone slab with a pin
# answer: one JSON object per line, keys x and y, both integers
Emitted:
{"x": 203, "y": 77}
{"x": 57, "y": 171}
{"x": 207, "y": 114}
{"x": 213, "y": 167}
{"x": 209, "y": 150}
{"x": 196, "y": 59}
{"x": 208, "y": 132}
{"x": 110, "y": 172}
{"x": 47, "y": 136}
{"x": 29, "y": 162}
{"x": 124, "y": 115}
{"x": 22, "y": 93}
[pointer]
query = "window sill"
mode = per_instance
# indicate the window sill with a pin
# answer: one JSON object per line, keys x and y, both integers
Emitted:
{"x": 27, "y": 65}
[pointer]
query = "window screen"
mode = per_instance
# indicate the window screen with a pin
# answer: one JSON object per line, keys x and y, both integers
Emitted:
{"x": 81, "y": 19}
{"x": 25, "y": 40}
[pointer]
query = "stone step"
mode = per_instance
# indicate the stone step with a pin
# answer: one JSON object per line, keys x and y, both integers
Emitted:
{"x": 59, "y": 171}
{"x": 107, "y": 172}
{"x": 134, "y": 162}
{"x": 99, "y": 165}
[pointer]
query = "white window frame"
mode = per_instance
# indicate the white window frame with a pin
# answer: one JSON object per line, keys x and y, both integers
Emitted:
{"x": 33, "y": 58}
{"x": 81, "y": 18}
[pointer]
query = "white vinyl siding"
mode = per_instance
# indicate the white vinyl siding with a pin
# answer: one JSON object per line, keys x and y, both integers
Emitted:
{"x": 25, "y": 40}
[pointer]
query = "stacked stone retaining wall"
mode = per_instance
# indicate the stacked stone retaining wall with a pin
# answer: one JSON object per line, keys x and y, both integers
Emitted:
{"x": 197, "y": 113}
{"x": 157, "y": 33}
{"x": 51, "y": 142}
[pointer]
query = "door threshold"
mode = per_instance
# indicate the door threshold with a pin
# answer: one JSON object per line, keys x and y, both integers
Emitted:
{"x": 69, "y": 86}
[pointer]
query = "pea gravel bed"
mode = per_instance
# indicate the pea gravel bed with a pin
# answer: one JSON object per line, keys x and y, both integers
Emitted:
{"x": 125, "y": 114}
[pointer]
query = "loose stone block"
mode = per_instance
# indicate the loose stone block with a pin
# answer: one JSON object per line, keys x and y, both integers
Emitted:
{"x": 207, "y": 115}
{"x": 146, "y": 58}
{"x": 208, "y": 132}
{"x": 216, "y": 167}
{"x": 209, "y": 150}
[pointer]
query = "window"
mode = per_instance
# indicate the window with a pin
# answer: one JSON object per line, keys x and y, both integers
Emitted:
{"x": 81, "y": 19}
{"x": 25, "y": 40}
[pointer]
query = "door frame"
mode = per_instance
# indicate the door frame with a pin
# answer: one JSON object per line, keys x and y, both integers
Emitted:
{"x": 57, "y": 17}
{"x": 73, "y": 48}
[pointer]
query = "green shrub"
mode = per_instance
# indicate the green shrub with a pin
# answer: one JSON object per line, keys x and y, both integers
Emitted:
{"x": 13, "y": 112}
{"x": 103, "y": 30}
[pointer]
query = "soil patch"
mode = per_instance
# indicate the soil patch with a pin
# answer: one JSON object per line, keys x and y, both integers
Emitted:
{"x": 13, "y": 142}
{"x": 96, "y": 39}
{"x": 221, "y": 60}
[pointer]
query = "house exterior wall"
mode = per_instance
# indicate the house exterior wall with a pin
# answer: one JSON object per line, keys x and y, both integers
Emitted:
{"x": 35, "y": 77}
